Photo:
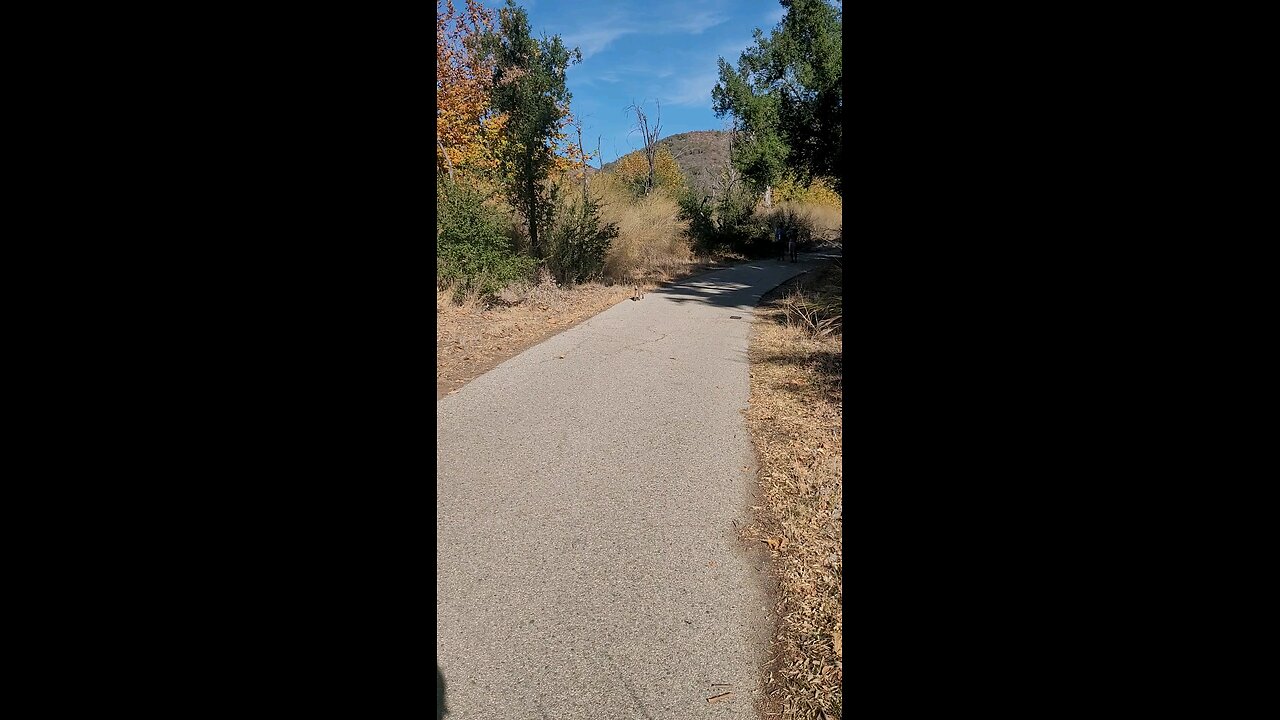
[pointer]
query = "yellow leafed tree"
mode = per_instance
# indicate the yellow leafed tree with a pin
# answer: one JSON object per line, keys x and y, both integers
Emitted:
{"x": 817, "y": 192}
{"x": 633, "y": 170}
{"x": 467, "y": 130}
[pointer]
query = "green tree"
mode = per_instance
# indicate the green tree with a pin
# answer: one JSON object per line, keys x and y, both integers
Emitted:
{"x": 785, "y": 97}
{"x": 529, "y": 86}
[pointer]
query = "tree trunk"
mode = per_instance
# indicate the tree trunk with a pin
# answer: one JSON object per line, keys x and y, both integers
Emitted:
{"x": 768, "y": 196}
{"x": 447, "y": 162}
{"x": 533, "y": 219}
{"x": 582, "y": 151}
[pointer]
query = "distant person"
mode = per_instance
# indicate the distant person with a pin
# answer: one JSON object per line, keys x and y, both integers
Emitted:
{"x": 791, "y": 244}
{"x": 777, "y": 241}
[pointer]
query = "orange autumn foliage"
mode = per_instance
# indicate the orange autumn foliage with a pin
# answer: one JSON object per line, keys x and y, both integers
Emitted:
{"x": 466, "y": 127}
{"x": 468, "y": 131}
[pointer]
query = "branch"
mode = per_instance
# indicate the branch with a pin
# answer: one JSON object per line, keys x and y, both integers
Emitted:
{"x": 657, "y": 126}
{"x": 447, "y": 161}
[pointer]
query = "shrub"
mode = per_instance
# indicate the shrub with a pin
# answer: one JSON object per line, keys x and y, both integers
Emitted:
{"x": 579, "y": 240}
{"x": 818, "y": 192}
{"x": 742, "y": 229}
{"x": 809, "y": 222}
{"x": 651, "y": 238}
{"x": 822, "y": 192}
{"x": 697, "y": 211}
{"x": 818, "y": 316}
{"x": 727, "y": 223}
{"x": 472, "y": 244}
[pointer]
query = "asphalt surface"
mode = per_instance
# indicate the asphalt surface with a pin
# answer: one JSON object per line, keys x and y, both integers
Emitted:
{"x": 587, "y": 562}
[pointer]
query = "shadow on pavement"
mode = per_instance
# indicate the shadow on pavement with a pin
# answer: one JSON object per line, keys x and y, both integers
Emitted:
{"x": 712, "y": 289}
{"x": 441, "y": 710}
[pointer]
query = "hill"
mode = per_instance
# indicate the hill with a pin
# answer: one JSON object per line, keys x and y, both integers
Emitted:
{"x": 701, "y": 154}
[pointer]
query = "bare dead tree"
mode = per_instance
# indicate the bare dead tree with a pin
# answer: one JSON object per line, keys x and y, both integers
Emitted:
{"x": 728, "y": 181}
{"x": 599, "y": 155}
{"x": 582, "y": 153}
{"x": 650, "y": 138}
{"x": 729, "y": 176}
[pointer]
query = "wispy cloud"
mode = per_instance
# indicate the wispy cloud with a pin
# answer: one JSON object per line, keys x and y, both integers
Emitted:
{"x": 600, "y": 36}
{"x": 692, "y": 90}
{"x": 696, "y": 23}
{"x": 630, "y": 74}
{"x": 592, "y": 41}
{"x": 653, "y": 69}
{"x": 774, "y": 16}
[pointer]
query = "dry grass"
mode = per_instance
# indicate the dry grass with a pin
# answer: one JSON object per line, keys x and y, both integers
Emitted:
{"x": 820, "y": 222}
{"x": 818, "y": 316}
{"x": 472, "y": 338}
{"x": 794, "y": 418}
{"x": 651, "y": 242}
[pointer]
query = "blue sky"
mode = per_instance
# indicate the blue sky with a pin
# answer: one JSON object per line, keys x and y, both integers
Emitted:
{"x": 645, "y": 51}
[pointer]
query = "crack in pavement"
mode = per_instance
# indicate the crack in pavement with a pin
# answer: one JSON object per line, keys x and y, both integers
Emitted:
{"x": 646, "y": 342}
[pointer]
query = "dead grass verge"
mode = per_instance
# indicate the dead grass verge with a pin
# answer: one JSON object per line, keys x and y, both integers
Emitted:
{"x": 794, "y": 418}
{"x": 474, "y": 336}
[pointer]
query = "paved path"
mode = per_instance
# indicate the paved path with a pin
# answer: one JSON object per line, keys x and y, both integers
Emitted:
{"x": 587, "y": 564}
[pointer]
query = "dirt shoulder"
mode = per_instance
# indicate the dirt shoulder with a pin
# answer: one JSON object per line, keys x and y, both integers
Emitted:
{"x": 472, "y": 339}
{"x": 795, "y": 422}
